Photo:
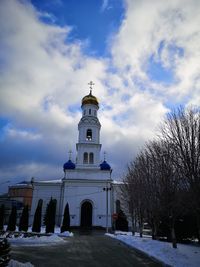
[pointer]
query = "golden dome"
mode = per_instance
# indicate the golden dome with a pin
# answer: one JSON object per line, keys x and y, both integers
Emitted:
{"x": 90, "y": 99}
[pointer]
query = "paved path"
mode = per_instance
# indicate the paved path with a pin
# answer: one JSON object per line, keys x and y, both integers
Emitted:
{"x": 84, "y": 251}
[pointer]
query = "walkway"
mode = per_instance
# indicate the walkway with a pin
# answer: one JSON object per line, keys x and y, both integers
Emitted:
{"x": 84, "y": 251}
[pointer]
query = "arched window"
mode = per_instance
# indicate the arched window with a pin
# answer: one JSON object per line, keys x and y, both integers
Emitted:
{"x": 89, "y": 134}
{"x": 85, "y": 158}
{"x": 91, "y": 158}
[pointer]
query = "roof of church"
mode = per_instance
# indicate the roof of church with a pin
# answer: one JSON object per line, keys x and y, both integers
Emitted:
{"x": 117, "y": 182}
{"x": 69, "y": 165}
{"x": 21, "y": 184}
{"x": 90, "y": 99}
{"x": 105, "y": 166}
{"x": 50, "y": 181}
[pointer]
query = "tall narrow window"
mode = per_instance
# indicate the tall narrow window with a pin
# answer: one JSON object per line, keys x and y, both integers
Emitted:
{"x": 91, "y": 158}
{"x": 89, "y": 134}
{"x": 85, "y": 158}
{"x": 90, "y": 111}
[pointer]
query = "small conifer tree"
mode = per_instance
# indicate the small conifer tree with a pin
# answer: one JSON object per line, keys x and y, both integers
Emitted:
{"x": 36, "y": 227}
{"x": 23, "y": 223}
{"x": 2, "y": 214}
{"x": 66, "y": 220}
{"x": 49, "y": 218}
{"x": 12, "y": 219}
{"x": 53, "y": 215}
{"x": 121, "y": 222}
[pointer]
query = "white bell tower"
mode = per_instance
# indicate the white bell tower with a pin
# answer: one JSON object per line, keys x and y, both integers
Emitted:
{"x": 88, "y": 146}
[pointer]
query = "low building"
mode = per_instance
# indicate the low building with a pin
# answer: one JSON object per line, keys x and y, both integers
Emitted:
{"x": 21, "y": 193}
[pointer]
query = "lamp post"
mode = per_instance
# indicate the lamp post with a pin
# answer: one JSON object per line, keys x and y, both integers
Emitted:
{"x": 107, "y": 188}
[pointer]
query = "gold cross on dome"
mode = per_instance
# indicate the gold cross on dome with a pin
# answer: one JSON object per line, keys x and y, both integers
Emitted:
{"x": 91, "y": 84}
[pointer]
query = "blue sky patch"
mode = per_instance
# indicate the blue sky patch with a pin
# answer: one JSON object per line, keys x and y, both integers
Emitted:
{"x": 104, "y": 106}
{"x": 87, "y": 19}
{"x": 125, "y": 97}
{"x": 158, "y": 73}
{"x": 74, "y": 108}
{"x": 3, "y": 122}
{"x": 121, "y": 118}
{"x": 3, "y": 125}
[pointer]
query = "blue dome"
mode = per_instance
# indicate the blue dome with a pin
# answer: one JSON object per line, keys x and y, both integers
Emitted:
{"x": 69, "y": 165}
{"x": 105, "y": 166}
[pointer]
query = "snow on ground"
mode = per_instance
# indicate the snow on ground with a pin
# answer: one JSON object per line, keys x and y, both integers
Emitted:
{"x": 36, "y": 240}
{"x": 183, "y": 256}
{"x": 56, "y": 231}
{"x": 13, "y": 263}
{"x": 65, "y": 234}
{"x": 22, "y": 239}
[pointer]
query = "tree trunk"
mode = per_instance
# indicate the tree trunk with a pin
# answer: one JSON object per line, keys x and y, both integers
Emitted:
{"x": 140, "y": 229}
{"x": 154, "y": 231}
{"x": 174, "y": 244}
{"x": 133, "y": 224}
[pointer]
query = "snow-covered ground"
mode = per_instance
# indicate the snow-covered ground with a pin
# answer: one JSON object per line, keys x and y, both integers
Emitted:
{"x": 183, "y": 256}
{"x": 36, "y": 241}
{"x": 51, "y": 239}
{"x": 13, "y": 263}
{"x": 56, "y": 231}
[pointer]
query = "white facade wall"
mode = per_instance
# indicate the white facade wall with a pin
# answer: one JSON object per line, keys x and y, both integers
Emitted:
{"x": 44, "y": 191}
{"x": 75, "y": 193}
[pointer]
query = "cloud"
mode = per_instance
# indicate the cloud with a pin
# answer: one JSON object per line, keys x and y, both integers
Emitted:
{"x": 104, "y": 5}
{"x": 44, "y": 75}
{"x": 167, "y": 31}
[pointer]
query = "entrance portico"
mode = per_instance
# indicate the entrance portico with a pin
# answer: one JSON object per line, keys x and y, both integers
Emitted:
{"x": 86, "y": 214}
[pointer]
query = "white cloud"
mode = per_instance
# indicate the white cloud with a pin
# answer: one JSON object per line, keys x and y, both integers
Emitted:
{"x": 44, "y": 75}
{"x": 147, "y": 24}
{"x": 14, "y": 133}
{"x": 104, "y": 5}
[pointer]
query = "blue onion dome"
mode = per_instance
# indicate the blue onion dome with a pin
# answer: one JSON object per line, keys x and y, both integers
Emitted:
{"x": 105, "y": 166}
{"x": 90, "y": 99}
{"x": 69, "y": 165}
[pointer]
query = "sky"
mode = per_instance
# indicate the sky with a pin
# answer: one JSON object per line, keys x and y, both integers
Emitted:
{"x": 143, "y": 57}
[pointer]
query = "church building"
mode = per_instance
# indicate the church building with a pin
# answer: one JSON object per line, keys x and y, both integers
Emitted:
{"x": 87, "y": 185}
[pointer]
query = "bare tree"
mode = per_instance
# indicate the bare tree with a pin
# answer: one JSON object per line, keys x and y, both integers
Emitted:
{"x": 182, "y": 130}
{"x": 170, "y": 184}
{"x": 127, "y": 198}
{"x": 166, "y": 173}
{"x": 132, "y": 188}
{"x": 153, "y": 186}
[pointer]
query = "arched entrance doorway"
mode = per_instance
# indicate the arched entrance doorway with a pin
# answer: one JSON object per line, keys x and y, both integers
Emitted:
{"x": 86, "y": 214}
